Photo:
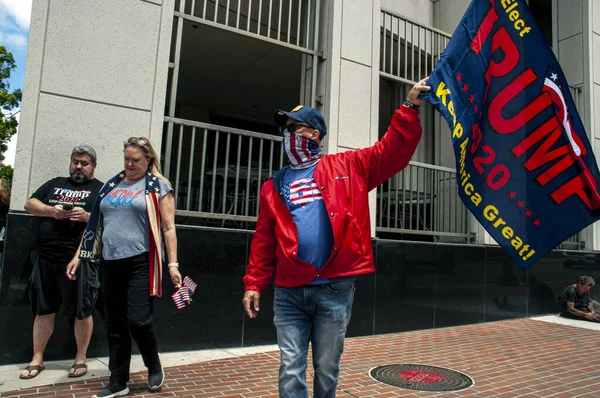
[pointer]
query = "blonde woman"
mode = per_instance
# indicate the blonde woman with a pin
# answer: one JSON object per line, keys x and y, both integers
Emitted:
{"x": 125, "y": 231}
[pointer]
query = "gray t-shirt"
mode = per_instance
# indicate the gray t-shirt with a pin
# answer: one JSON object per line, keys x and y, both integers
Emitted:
{"x": 569, "y": 295}
{"x": 126, "y": 219}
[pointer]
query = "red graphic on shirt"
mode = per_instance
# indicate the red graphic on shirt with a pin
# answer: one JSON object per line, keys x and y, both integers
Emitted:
{"x": 302, "y": 191}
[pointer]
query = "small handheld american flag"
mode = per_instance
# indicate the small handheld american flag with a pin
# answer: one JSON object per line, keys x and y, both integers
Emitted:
{"x": 182, "y": 296}
{"x": 190, "y": 284}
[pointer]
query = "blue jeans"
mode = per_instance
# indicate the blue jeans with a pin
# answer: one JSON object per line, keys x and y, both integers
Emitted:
{"x": 318, "y": 314}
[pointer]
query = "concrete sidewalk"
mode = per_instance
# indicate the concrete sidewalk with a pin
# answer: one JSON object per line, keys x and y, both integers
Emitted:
{"x": 55, "y": 372}
{"x": 536, "y": 357}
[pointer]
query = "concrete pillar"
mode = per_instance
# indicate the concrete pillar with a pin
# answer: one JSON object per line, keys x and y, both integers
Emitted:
{"x": 353, "y": 74}
{"x": 96, "y": 73}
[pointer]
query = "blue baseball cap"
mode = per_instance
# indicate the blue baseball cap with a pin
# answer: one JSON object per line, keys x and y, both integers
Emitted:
{"x": 305, "y": 114}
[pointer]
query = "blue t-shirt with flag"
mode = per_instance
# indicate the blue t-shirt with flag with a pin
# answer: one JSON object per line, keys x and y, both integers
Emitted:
{"x": 315, "y": 235}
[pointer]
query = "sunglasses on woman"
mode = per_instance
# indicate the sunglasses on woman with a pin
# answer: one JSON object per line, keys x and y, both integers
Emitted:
{"x": 137, "y": 141}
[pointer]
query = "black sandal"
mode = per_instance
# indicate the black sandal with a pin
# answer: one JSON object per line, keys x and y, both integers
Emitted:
{"x": 77, "y": 366}
{"x": 31, "y": 368}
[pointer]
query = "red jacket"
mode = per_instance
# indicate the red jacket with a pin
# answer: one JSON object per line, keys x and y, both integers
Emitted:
{"x": 344, "y": 180}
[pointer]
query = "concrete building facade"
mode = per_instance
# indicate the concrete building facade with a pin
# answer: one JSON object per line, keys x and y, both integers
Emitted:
{"x": 105, "y": 71}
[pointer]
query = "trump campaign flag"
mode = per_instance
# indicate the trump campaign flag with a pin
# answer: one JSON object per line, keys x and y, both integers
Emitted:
{"x": 525, "y": 167}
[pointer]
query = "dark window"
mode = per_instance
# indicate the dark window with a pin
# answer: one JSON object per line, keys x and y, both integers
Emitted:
{"x": 542, "y": 13}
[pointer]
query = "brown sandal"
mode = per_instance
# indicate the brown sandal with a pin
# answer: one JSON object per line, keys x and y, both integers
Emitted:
{"x": 77, "y": 366}
{"x": 31, "y": 368}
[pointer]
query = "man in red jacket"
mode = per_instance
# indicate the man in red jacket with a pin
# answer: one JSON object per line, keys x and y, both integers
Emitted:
{"x": 313, "y": 232}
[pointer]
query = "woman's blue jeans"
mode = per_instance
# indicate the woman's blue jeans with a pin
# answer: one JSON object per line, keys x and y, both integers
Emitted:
{"x": 318, "y": 314}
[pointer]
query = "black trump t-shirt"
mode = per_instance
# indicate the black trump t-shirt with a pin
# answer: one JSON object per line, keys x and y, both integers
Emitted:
{"x": 58, "y": 239}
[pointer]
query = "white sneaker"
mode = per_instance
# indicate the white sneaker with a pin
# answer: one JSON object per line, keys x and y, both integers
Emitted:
{"x": 113, "y": 390}
{"x": 156, "y": 380}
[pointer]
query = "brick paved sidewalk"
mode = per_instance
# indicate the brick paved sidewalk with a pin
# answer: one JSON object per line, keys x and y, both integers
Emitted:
{"x": 516, "y": 358}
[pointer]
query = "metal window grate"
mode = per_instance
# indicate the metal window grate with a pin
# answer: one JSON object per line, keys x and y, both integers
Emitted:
{"x": 217, "y": 171}
{"x": 423, "y": 200}
{"x": 408, "y": 50}
{"x": 292, "y": 23}
{"x": 577, "y": 95}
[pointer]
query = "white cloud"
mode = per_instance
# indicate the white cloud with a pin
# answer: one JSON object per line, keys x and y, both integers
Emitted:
{"x": 13, "y": 41}
{"x": 11, "y": 152}
{"x": 19, "y": 10}
{"x": 9, "y": 155}
{"x": 15, "y": 16}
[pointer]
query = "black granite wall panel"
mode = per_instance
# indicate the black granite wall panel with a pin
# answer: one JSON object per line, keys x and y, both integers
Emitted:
{"x": 363, "y": 306}
{"x": 459, "y": 285}
{"x": 506, "y": 288}
{"x": 416, "y": 286}
{"x": 404, "y": 292}
{"x": 215, "y": 260}
{"x": 15, "y": 310}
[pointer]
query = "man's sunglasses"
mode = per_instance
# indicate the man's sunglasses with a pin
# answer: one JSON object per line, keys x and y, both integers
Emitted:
{"x": 292, "y": 127}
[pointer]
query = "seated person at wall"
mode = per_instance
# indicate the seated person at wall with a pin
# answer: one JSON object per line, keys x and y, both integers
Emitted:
{"x": 63, "y": 206}
{"x": 575, "y": 301}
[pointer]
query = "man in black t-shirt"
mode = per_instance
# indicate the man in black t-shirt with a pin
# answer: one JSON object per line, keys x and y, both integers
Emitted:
{"x": 63, "y": 206}
{"x": 575, "y": 301}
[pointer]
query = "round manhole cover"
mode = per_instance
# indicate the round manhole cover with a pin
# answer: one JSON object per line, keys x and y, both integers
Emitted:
{"x": 421, "y": 377}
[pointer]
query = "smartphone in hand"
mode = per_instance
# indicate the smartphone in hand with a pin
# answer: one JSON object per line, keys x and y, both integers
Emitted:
{"x": 67, "y": 206}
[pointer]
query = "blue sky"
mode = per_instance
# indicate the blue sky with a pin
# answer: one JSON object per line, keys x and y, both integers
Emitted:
{"x": 14, "y": 32}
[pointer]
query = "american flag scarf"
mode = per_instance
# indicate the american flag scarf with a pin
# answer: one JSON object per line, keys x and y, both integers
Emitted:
{"x": 91, "y": 243}
{"x": 301, "y": 151}
{"x": 182, "y": 296}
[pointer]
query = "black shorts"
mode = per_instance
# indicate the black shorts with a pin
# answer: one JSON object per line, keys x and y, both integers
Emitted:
{"x": 49, "y": 287}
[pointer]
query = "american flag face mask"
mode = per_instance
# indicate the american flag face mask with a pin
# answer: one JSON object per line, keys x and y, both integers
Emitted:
{"x": 182, "y": 296}
{"x": 300, "y": 150}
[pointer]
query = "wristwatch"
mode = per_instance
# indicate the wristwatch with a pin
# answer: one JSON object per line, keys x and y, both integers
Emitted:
{"x": 410, "y": 104}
